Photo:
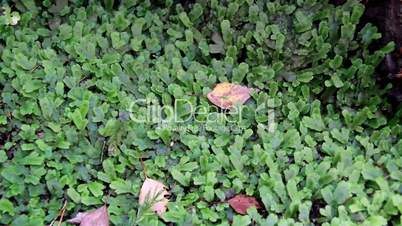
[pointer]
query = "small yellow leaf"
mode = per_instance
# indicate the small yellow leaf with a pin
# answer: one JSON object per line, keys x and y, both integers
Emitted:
{"x": 225, "y": 95}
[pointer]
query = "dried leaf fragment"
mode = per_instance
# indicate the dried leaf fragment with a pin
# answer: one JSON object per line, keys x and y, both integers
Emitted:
{"x": 155, "y": 192}
{"x": 225, "y": 95}
{"x": 240, "y": 203}
{"x": 98, "y": 217}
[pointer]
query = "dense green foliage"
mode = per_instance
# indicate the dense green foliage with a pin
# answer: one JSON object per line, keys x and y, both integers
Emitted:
{"x": 70, "y": 75}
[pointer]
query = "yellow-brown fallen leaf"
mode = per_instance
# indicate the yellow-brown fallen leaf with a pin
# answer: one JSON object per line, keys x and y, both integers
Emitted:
{"x": 155, "y": 192}
{"x": 98, "y": 217}
{"x": 226, "y": 95}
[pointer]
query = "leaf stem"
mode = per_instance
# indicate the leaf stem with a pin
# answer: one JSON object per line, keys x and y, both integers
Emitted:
{"x": 143, "y": 167}
{"x": 63, "y": 210}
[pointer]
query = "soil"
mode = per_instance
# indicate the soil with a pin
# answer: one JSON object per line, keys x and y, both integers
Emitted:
{"x": 315, "y": 211}
{"x": 3, "y": 139}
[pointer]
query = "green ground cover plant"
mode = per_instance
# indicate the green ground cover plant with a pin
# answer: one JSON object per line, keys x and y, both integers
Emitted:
{"x": 316, "y": 144}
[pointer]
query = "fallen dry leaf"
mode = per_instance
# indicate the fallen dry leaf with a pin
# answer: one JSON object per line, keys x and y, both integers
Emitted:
{"x": 240, "y": 203}
{"x": 225, "y": 95}
{"x": 98, "y": 217}
{"x": 154, "y": 190}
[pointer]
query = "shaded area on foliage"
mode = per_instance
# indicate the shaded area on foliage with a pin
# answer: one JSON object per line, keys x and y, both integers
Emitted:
{"x": 387, "y": 16}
